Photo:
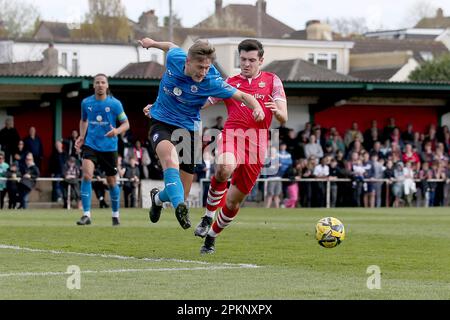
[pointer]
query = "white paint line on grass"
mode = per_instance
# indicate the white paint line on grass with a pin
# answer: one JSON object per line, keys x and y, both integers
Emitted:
{"x": 46, "y": 274}
{"x": 110, "y": 256}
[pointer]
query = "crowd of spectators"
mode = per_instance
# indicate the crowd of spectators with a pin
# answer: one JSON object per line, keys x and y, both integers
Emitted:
{"x": 382, "y": 166}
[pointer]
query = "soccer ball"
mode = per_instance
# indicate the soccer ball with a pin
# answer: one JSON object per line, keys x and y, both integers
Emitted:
{"x": 329, "y": 232}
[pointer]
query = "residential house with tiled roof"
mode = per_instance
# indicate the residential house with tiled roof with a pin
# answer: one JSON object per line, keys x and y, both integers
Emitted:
{"x": 391, "y": 59}
{"x": 440, "y": 21}
{"x": 245, "y": 17}
{"x": 332, "y": 55}
{"x": 301, "y": 70}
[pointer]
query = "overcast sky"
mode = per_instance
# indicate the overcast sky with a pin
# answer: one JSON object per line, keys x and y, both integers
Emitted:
{"x": 378, "y": 13}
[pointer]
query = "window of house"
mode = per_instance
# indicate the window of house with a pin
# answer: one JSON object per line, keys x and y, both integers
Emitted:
{"x": 75, "y": 64}
{"x": 322, "y": 60}
{"x": 334, "y": 61}
{"x": 326, "y": 60}
{"x": 64, "y": 59}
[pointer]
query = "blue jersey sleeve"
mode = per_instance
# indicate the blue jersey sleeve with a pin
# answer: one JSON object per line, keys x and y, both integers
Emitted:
{"x": 121, "y": 116}
{"x": 221, "y": 89}
{"x": 176, "y": 57}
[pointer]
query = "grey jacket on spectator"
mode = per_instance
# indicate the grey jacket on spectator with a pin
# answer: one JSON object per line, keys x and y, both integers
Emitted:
{"x": 313, "y": 149}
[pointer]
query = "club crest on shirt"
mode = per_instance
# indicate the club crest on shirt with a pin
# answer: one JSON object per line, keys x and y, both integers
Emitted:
{"x": 238, "y": 85}
{"x": 90, "y": 109}
{"x": 99, "y": 118}
{"x": 194, "y": 89}
{"x": 177, "y": 91}
{"x": 262, "y": 85}
{"x": 108, "y": 109}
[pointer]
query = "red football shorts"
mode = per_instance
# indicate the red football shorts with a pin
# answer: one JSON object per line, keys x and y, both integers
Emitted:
{"x": 249, "y": 149}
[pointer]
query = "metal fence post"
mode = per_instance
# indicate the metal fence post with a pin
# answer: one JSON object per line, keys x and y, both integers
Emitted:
{"x": 328, "y": 194}
{"x": 69, "y": 196}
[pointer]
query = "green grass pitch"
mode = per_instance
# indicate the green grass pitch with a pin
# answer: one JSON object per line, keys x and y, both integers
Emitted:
{"x": 265, "y": 254}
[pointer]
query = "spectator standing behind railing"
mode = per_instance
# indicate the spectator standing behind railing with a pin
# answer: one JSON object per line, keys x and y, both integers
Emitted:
{"x": 12, "y": 185}
{"x": 335, "y": 173}
{"x": 322, "y": 170}
{"x": 294, "y": 175}
{"x": 141, "y": 156}
{"x": 28, "y": 181}
{"x": 9, "y": 138}
{"x": 390, "y": 175}
{"x": 409, "y": 184}
{"x": 130, "y": 187}
{"x": 72, "y": 174}
{"x": 69, "y": 145}
{"x": 274, "y": 188}
{"x": 313, "y": 148}
{"x": 306, "y": 186}
{"x": 359, "y": 185}
{"x": 57, "y": 162}
{"x": 20, "y": 155}
{"x": 378, "y": 173}
{"x": 33, "y": 144}
{"x": 398, "y": 188}
{"x": 3, "y": 170}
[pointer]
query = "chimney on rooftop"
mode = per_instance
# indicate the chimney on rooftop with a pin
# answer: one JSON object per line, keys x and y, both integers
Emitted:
{"x": 263, "y": 5}
{"x": 218, "y": 6}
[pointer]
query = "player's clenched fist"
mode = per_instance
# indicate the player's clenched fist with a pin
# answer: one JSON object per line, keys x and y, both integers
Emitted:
{"x": 146, "y": 43}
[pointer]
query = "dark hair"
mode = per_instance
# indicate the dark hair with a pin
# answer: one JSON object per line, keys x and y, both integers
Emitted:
{"x": 251, "y": 45}
{"x": 108, "y": 92}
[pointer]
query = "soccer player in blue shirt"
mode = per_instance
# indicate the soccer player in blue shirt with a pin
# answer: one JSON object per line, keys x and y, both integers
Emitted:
{"x": 186, "y": 85}
{"x": 98, "y": 142}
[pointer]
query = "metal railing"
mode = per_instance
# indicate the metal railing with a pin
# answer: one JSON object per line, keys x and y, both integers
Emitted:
{"x": 69, "y": 187}
{"x": 328, "y": 184}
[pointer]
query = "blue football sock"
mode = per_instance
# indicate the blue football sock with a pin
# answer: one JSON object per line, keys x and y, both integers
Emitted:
{"x": 174, "y": 187}
{"x": 114, "y": 194}
{"x": 163, "y": 196}
{"x": 86, "y": 194}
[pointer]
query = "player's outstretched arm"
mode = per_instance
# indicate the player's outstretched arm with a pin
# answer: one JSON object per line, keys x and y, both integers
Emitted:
{"x": 252, "y": 103}
{"x": 162, "y": 45}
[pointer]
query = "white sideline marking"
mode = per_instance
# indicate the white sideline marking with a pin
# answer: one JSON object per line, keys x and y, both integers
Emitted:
{"x": 209, "y": 265}
{"x": 44, "y": 274}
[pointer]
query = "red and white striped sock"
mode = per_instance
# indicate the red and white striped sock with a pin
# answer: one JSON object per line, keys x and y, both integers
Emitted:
{"x": 224, "y": 218}
{"x": 216, "y": 193}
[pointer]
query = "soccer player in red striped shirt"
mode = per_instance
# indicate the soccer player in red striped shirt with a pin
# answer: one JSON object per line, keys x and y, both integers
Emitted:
{"x": 243, "y": 144}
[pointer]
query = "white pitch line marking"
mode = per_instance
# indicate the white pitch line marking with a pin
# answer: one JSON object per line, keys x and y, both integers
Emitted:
{"x": 211, "y": 266}
{"x": 45, "y": 274}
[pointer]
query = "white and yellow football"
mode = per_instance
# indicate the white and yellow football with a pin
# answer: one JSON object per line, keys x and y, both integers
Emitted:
{"x": 330, "y": 232}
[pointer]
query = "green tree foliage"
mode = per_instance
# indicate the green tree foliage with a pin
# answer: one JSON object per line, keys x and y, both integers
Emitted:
{"x": 435, "y": 70}
{"x": 106, "y": 21}
{"x": 17, "y": 18}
